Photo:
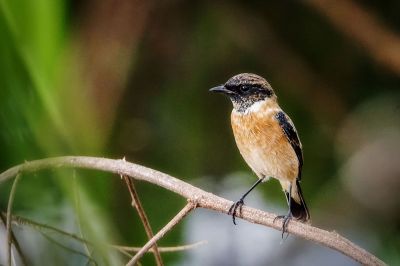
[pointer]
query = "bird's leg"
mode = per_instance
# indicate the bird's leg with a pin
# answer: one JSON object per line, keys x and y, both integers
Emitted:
{"x": 286, "y": 218}
{"x": 240, "y": 202}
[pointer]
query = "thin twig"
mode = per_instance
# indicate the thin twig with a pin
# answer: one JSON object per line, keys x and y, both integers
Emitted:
{"x": 165, "y": 249}
{"x": 203, "y": 199}
{"x": 78, "y": 213}
{"x": 143, "y": 217}
{"x": 124, "y": 252}
{"x": 3, "y": 219}
{"x": 8, "y": 224}
{"x": 21, "y": 221}
{"x": 189, "y": 207}
{"x": 50, "y": 239}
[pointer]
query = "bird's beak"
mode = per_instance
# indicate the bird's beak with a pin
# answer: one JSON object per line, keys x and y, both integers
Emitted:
{"x": 221, "y": 89}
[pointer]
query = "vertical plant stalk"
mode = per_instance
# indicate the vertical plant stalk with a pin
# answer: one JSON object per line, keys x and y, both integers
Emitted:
{"x": 3, "y": 219}
{"x": 188, "y": 208}
{"x": 143, "y": 217}
{"x": 8, "y": 223}
{"x": 78, "y": 215}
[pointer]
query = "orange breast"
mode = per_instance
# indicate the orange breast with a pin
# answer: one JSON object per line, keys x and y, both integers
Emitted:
{"x": 263, "y": 144}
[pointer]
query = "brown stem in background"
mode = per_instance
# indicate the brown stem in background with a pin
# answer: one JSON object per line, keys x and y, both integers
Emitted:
{"x": 364, "y": 28}
{"x": 188, "y": 208}
{"x": 202, "y": 198}
{"x": 143, "y": 217}
{"x": 107, "y": 41}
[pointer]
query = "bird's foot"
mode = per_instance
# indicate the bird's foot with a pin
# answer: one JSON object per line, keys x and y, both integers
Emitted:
{"x": 233, "y": 209}
{"x": 286, "y": 218}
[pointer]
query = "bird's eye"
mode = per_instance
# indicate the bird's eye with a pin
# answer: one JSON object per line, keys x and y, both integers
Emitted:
{"x": 244, "y": 88}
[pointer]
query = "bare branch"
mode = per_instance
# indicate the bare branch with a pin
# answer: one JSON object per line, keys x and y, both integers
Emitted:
{"x": 202, "y": 198}
{"x": 189, "y": 207}
{"x": 143, "y": 217}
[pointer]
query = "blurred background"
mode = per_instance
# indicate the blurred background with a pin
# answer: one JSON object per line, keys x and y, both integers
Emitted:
{"x": 119, "y": 78}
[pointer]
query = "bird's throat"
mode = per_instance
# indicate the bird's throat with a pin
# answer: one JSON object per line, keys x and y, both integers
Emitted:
{"x": 249, "y": 107}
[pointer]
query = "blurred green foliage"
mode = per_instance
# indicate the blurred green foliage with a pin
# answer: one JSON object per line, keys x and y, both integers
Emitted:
{"x": 126, "y": 78}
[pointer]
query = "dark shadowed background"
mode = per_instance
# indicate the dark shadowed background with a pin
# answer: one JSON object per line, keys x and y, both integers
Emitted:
{"x": 121, "y": 78}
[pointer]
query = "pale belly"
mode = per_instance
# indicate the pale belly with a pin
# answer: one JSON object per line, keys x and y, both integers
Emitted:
{"x": 264, "y": 147}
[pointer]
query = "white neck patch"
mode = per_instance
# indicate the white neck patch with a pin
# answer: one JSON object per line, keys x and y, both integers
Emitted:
{"x": 260, "y": 108}
{"x": 255, "y": 107}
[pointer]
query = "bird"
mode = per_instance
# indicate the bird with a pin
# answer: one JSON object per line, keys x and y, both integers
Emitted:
{"x": 267, "y": 140}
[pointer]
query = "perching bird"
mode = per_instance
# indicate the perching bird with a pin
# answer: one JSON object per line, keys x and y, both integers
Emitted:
{"x": 267, "y": 140}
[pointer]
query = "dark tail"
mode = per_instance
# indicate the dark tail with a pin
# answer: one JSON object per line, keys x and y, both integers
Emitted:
{"x": 298, "y": 206}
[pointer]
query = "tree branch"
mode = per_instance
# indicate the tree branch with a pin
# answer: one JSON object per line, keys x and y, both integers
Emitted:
{"x": 143, "y": 217}
{"x": 188, "y": 208}
{"x": 202, "y": 198}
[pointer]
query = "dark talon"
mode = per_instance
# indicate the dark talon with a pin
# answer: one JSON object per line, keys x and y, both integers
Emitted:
{"x": 286, "y": 218}
{"x": 233, "y": 208}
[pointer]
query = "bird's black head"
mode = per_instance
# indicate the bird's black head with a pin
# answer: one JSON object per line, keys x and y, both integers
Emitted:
{"x": 246, "y": 89}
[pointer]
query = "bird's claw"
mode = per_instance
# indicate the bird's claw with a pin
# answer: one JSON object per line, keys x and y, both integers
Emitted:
{"x": 232, "y": 210}
{"x": 286, "y": 218}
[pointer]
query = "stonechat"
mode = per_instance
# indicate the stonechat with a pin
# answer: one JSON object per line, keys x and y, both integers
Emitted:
{"x": 267, "y": 140}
